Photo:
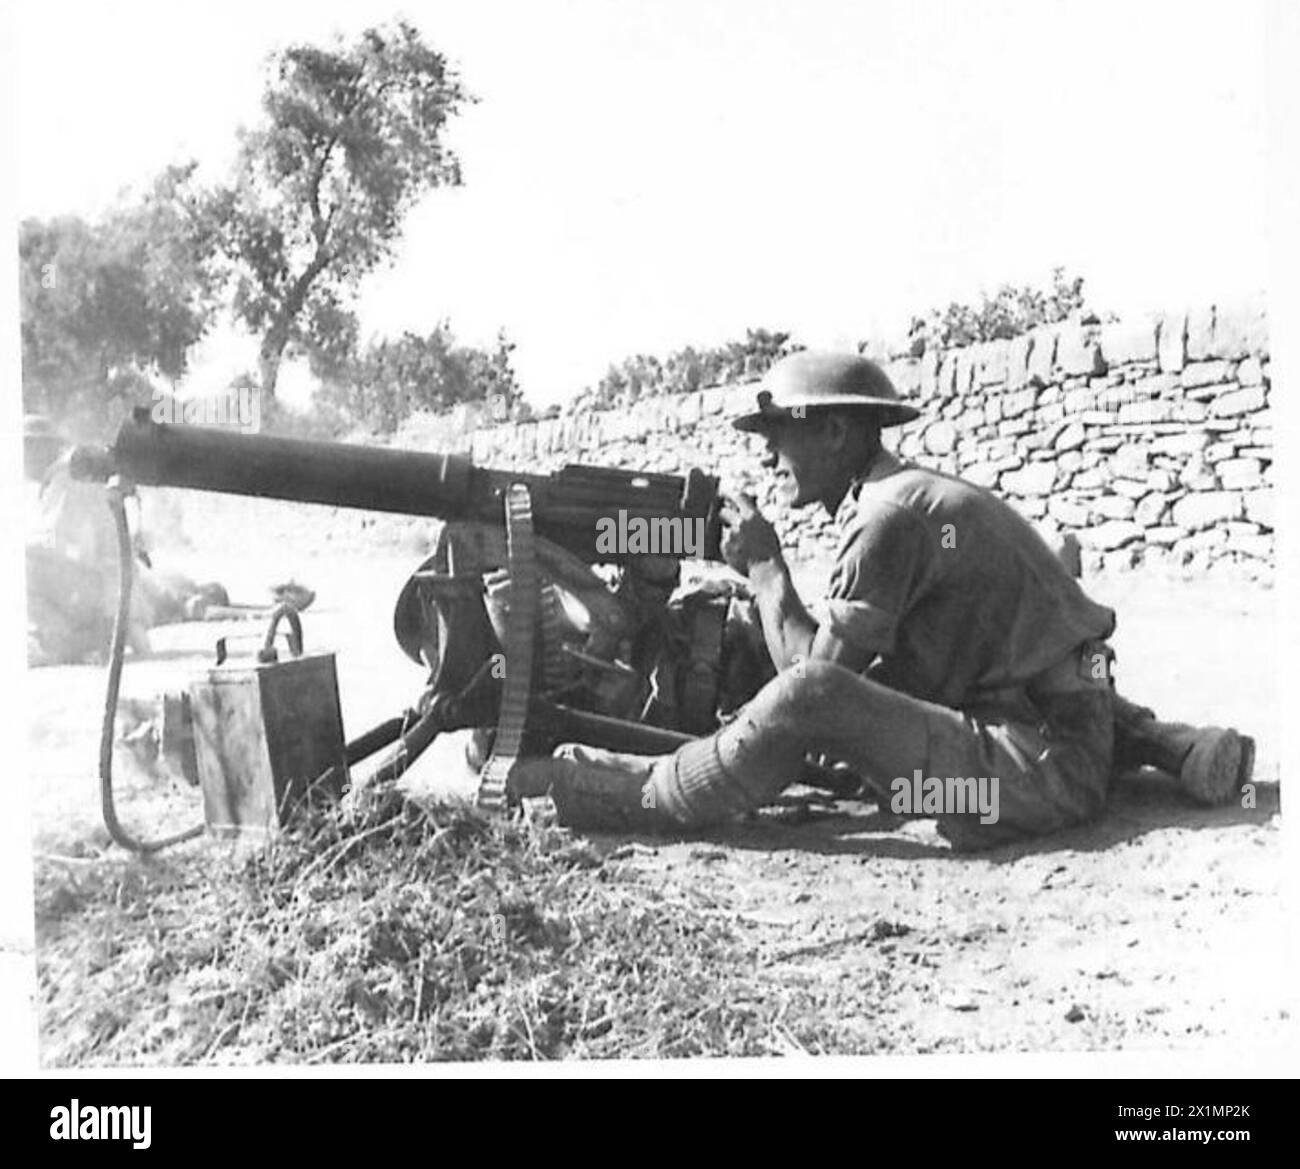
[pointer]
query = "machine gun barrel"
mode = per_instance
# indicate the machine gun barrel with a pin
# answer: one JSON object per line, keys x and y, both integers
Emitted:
{"x": 566, "y": 505}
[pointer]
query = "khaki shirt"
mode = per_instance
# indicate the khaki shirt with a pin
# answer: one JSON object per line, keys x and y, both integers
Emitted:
{"x": 953, "y": 588}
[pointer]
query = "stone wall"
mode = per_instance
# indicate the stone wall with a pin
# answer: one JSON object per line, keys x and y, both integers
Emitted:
{"x": 1151, "y": 440}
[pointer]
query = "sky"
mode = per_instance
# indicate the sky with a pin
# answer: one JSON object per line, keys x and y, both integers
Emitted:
{"x": 643, "y": 176}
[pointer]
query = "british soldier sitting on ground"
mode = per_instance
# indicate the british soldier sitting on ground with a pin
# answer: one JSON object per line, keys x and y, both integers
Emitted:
{"x": 954, "y": 642}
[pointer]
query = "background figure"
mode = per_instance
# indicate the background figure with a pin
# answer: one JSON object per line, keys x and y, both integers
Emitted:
{"x": 72, "y": 563}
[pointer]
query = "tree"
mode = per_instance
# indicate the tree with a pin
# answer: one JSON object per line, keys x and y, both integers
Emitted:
{"x": 397, "y": 377}
{"x": 352, "y": 138}
{"x": 1009, "y": 313}
{"x": 106, "y": 306}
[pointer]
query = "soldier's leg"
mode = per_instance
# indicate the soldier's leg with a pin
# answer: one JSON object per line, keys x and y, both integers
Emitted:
{"x": 1210, "y": 763}
{"x": 821, "y": 708}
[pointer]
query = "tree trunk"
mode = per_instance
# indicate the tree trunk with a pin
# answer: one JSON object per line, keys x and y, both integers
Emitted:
{"x": 270, "y": 356}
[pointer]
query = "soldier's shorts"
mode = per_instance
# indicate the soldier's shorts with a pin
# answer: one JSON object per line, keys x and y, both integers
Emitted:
{"x": 1051, "y": 748}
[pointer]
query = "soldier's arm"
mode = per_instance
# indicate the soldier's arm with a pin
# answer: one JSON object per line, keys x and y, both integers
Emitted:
{"x": 752, "y": 547}
{"x": 789, "y": 630}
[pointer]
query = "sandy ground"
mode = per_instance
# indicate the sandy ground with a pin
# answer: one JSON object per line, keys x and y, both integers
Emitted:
{"x": 1164, "y": 926}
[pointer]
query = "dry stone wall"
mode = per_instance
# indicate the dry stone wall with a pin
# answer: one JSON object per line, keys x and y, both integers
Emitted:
{"x": 1150, "y": 440}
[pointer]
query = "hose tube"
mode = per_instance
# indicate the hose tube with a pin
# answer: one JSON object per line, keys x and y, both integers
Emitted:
{"x": 121, "y": 624}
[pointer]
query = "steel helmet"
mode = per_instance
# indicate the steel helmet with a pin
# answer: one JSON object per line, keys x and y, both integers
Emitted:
{"x": 811, "y": 380}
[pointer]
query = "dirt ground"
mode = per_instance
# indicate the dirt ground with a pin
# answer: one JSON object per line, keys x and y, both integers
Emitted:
{"x": 1162, "y": 927}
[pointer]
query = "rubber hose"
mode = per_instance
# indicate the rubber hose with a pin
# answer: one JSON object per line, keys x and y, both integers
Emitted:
{"x": 121, "y": 623}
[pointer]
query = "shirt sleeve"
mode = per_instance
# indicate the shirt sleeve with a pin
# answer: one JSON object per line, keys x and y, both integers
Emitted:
{"x": 878, "y": 573}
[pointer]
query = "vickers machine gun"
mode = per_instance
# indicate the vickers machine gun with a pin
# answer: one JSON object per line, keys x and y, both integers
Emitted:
{"x": 520, "y": 636}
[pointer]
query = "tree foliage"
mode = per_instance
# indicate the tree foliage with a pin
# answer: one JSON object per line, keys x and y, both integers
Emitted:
{"x": 684, "y": 370}
{"x": 106, "y": 306}
{"x": 1008, "y": 313}
{"x": 352, "y": 137}
{"x": 397, "y": 377}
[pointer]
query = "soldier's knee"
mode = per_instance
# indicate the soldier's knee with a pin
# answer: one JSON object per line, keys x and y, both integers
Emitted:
{"x": 804, "y": 692}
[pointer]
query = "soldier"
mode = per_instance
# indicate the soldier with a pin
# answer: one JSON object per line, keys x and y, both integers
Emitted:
{"x": 955, "y": 644}
{"x": 72, "y": 564}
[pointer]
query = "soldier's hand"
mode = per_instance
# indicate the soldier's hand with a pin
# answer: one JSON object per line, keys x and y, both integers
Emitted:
{"x": 748, "y": 537}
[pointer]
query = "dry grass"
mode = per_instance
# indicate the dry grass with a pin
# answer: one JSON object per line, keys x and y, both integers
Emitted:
{"x": 384, "y": 932}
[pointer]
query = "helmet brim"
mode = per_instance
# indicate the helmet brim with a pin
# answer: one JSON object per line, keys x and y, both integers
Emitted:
{"x": 885, "y": 411}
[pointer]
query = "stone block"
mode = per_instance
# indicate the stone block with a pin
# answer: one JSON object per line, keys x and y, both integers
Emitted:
{"x": 1200, "y": 333}
{"x": 1018, "y": 360}
{"x": 1206, "y": 373}
{"x": 1172, "y": 342}
{"x": 1111, "y": 534}
{"x": 1131, "y": 461}
{"x": 1042, "y": 355}
{"x": 929, "y": 381}
{"x": 1142, "y": 412}
{"x": 1180, "y": 444}
{"x": 1071, "y": 437}
{"x": 1240, "y": 330}
{"x": 1113, "y": 507}
{"x": 1129, "y": 488}
{"x": 966, "y": 364}
{"x": 1250, "y": 372}
{"x": 1124, "y": 342}
{"x": 1203, "y": 509}
{"x": 1078, "y": 353}
{"x": 1079, "y": 401}
{"x": 1035, "y": 479}
{"x": 1259, "y": 507}
{"x": 940, "y": 438}
{"x": 1239, "y": 474}
{"x": 1198, "y": 475}
{"x": 982, "y": 474}
{"x": 1236, "y": 402}
{"x": 1017, "y": 402}
{"x": 1151, "y": 508}
{"x": 947, "y": 379}
{"x": 1068, "y": 512}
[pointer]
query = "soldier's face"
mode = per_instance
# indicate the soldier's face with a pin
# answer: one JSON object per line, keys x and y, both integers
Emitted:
{"x": 798, "y": 459}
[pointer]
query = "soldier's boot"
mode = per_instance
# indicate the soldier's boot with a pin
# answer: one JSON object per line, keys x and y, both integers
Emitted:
{"x": 1212, "y": 764}
{"x": 594, "y": 788}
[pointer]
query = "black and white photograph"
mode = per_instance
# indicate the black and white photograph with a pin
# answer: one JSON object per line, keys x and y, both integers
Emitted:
{"x": 657, "y": 536}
